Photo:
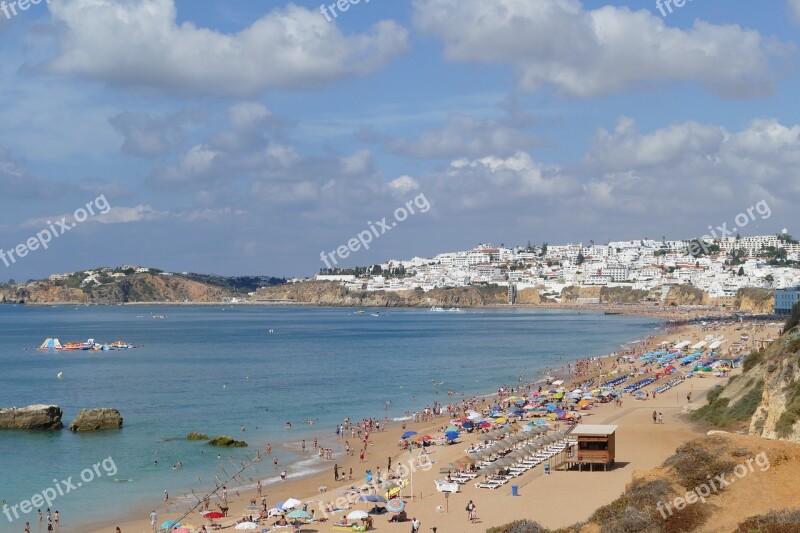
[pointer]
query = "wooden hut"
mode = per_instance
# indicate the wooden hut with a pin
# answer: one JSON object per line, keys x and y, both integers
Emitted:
{"x": 596, "y": 444}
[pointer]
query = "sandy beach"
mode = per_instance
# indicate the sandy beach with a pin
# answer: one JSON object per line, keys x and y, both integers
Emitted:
{"x": 555, "y": 500}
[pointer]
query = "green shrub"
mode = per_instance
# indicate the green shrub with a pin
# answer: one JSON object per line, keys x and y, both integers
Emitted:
{"x": 785, "y": 521}
{"x": 752, "y": 359}
{"x": 519, "y": 526}
{"x": 693, "y": 464}
{"x": 746, "y": 406}
{"x": 791, "y": 415}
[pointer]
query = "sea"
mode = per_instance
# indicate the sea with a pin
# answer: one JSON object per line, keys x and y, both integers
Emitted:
{"x": 216, "y": 370}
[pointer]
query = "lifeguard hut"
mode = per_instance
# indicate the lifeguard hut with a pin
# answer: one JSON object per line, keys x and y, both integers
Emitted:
{"x": 596, "y": 444}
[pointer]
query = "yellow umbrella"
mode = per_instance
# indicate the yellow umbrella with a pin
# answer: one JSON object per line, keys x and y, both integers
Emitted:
{"x": 500, "y": 420}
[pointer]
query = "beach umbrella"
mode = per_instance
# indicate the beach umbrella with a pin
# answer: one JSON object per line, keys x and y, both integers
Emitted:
{"x": 408, "y": 434}
{"x": 541, "y": 422}
{"x": 451, "y": 435}
{"x": 245, "y": 526}
{"x": 372, "y": 498}
{"x": 169, "y": 524}
{"x": 468, "y": 424}
{"x": 290, "y": 504}
{"x": 500, "y": 420}
{"x": 298, "y": 513}
{"x": 276, "y": 512}
{"x": 450, "y": 428}
{"x": 528, "y": 428}
{"x": 357, "y": 515}
{"x": 213, "y": 514}
{"x": 395, "y": 505}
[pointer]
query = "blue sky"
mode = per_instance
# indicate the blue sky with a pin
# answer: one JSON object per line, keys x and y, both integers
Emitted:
{"x": 244, "y": 137}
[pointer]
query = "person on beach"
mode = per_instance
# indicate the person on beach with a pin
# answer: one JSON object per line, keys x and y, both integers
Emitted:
{"x": 258, "y": 486}
{"x": 27, "y": 527}
{"x": 166, "y": 498}
{"x": 655, "y": 417}
{"x": 56, "y": 518}
{"x": 470, "y": 507}
{"x": 660, "y": 418}
{"x": 689, "y": 397}
{"x": 336, "y": 472}
{"x": 153, "y": 520}
{"x": 118, "y": 530}
{"x": 283, "y": 475}
{"x": 303, "y": 445}
{"x": 275, "y": 462}
{"x": 350, "y": 474}
{"x": 40, "y": 516}
{"x": 415, "y": 525}
{"x": 269, "y": 449}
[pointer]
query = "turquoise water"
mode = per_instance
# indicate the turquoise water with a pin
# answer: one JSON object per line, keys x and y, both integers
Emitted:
{"x": 214, "y": 369}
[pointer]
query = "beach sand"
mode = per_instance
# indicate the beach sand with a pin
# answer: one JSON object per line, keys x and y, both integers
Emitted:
{"x": 554, "y": 500}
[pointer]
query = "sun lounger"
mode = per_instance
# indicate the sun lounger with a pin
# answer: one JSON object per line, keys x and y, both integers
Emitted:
{"x": 487, "y": 485}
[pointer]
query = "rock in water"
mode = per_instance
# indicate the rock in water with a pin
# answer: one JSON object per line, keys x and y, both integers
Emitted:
{"x": 96, "y": 420}
{"x": 31, "y": 417}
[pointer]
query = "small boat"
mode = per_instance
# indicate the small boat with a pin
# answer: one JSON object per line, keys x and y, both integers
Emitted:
{"x": 454, "y": 310}
{"x": 376, "y": 314}
{"x": 359, "y": 312}
{"x": 613, "y": 313}
{"x": 437, "y": 309}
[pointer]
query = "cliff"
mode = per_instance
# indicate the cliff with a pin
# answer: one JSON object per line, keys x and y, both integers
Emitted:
{"x": 31, "y": 417}
{"x": 765, "y": 398}
{"x": 133, "y": 288}
{"x": 758, "y": 301}
{"x": 328, "y": 293}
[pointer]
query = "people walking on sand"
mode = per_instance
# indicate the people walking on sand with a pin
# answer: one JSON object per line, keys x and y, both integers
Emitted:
{"x": 689, "y": 397}
{"x": 655, "y": 417}
{"x": 153, "y": 520}
{"x": 470, "y": 507}
{"x": 350, "y": 474}
{"x": 660, "y": 418}
{"x": 259, "y": 487}
{"x": 336, "y": 472}
{"x": 415, "y": 525}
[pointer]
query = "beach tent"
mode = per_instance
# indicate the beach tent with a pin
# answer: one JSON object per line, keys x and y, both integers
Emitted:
{"x": 51, "y": 344}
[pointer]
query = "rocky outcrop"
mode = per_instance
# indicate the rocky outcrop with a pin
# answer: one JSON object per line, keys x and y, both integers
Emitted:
{"x": 529, "y": 296}
{"x": 329, "y": 293}
{"x": 96, "y": 420}
{"x": 227, "y": 442}
{"x": 31, "y": 417}
{"x": 758, "y": 301}
{"x": 778, "y": 415}
{"x": 684, "y": 295}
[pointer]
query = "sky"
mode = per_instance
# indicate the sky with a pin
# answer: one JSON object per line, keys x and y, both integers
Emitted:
{"x": 246, "y": 137}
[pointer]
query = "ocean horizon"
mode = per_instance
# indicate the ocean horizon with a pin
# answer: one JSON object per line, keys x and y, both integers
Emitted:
{"x": 215, "y": 369}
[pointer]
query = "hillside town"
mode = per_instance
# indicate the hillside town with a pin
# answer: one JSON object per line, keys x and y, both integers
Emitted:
{"x": 718, "y": 267}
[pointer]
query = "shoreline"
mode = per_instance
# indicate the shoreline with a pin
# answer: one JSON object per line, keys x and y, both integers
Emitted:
{"x": 132, "y": 520}
{"x": 317, "y": 477}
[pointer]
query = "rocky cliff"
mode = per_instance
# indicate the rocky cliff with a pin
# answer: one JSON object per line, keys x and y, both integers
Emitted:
{"x": 758, "y": 301}
{"x": 133, "y": 288}
{"x": 765, "y": 398}
{"x": 328, "y": 293}
{"x": 31, "y": 417}
{"x": 96, "y": 420}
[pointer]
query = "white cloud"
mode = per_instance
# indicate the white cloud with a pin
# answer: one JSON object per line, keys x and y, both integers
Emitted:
{"x": 464, "y": 136}
{"x": 403, "y": 184}
{"x": 140, "y": 44}
{"x": 794, "y": 9}
{"x": 591, "y": 52}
